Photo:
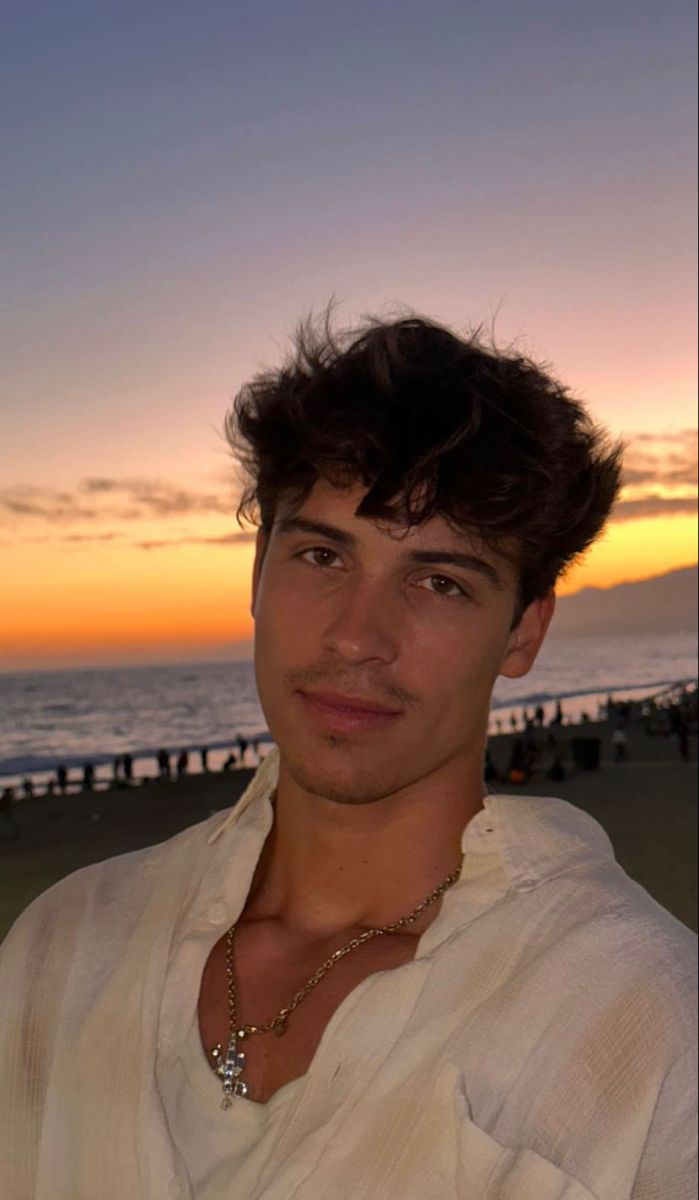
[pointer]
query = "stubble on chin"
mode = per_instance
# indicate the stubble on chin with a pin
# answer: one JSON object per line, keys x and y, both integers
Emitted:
{"x": 343, "y": 784}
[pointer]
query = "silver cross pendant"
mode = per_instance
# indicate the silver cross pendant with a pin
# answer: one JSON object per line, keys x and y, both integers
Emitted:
{"x": 229, "y": 1067}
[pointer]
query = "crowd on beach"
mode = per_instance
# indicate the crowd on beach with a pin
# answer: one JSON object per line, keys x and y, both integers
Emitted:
{"x": 535, "y": 748}
{"x": 171, "y": 767}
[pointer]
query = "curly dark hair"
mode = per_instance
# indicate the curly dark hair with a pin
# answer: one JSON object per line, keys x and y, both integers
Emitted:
{"x": 433, "y": 425}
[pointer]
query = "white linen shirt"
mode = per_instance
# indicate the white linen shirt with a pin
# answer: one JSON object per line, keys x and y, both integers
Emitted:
{"x": 540, "y": 1046}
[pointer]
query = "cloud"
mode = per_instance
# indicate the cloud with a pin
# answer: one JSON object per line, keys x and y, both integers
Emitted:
{"x": 157, "y": 498}
{"x": 54, "y": 539}
{"x": 659, "y": 479}
{"x": 659, "y": 475}
{"x": 89, "y": 537}
{"x": 684, "y": 437}
{"x": 225, "y": 539}
{"x": 654, "y": 506}
{"x": 229, "y": 539}
{"x": 668, "y": 473}
{"x": 59, "y": 507}
{"x": 136, "y": 499}
{"x": 99, "y": 485}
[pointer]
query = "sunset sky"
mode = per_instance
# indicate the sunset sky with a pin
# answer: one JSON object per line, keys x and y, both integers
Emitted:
{"x": 183, "y": 181}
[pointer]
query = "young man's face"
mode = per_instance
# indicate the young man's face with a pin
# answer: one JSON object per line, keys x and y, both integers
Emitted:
{"x": 344, "y": 608}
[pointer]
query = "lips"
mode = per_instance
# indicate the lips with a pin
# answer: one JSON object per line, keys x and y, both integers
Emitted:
{"x": 331, "y": 712}
{"x": 351, "y": 704}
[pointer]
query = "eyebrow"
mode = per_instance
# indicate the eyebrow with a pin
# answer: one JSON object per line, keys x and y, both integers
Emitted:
{"x": 427, "y": 556}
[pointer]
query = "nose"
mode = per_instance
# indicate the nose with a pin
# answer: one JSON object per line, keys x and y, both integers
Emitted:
{"x": 363, "y": 625}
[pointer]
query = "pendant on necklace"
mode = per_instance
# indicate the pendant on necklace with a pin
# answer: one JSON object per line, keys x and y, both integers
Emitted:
{"x": 230, "y": 1067}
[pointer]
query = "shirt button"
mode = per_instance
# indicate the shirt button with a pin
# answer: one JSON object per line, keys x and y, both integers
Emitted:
{"x": 218, "y": 914}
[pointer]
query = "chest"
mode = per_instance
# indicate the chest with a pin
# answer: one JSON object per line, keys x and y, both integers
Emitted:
{"x": 269, "y": 974}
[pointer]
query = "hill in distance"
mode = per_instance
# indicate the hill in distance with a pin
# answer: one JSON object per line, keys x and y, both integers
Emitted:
{"x": 664, "y": 604}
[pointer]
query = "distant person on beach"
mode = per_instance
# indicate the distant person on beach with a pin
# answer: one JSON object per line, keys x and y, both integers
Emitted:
{"x": 182, "y": 764}
{"x": 680, "y": 727}
{"x": 242, "y": 748}
{"x": 620, "y": 744}
{"x": 204, "y": 755}
{"x": 683, "y": 742}
{"x": 518, "y": 769}
{"x": 163, "y": 764}
{"x": 371, "y": 978}
{"x": 230, "y": 762}
{"x": 556, "y": 772}
{"x": 88, "y": 777}
{"x": 7, "y": 811}
{"x": 127, "y": 767}
{"x": 61, "y": 778}
{"x": 490, "y": 773}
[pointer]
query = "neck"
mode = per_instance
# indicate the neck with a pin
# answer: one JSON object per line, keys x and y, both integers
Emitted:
{"x": 328, "y": 868}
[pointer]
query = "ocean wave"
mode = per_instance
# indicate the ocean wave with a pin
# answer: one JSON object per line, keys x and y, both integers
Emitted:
{"x": 615, "y": 689}
{"x": 29, "y": 764}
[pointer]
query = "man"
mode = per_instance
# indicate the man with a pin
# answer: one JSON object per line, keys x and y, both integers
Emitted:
{"x": 371, "y": 979}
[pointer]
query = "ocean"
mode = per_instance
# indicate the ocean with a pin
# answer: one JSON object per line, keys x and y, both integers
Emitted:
{"x": 70, "y": 717}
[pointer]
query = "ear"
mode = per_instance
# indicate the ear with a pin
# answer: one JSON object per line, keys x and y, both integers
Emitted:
{"x": 261, "y": 542}
{"x": 526, "y": 638}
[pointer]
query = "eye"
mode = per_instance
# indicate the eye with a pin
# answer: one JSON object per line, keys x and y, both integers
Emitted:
{"x": 317, "y": 556}
{"x": 444, "y": 586}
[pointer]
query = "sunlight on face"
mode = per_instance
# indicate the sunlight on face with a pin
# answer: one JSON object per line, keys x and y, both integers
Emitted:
{"x": 418, "y": 624}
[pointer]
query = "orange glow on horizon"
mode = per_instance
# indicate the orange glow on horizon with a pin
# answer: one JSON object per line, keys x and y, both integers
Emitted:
{"x": 125, "y": 598}
{"x": 123, "y": 603}
{"x": 634, "y": 550}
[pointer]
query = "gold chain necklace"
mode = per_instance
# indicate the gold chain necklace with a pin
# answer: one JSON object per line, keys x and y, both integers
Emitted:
{"x": 229, "y": 1067}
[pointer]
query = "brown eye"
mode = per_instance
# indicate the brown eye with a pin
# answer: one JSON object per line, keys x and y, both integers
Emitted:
{"x": 444, "y": 586}
{"x": 320, "y": 556}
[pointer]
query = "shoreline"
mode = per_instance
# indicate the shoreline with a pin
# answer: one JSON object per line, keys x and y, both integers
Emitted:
{"x": 578, "y": 705}
{"x": 504, "y": 720}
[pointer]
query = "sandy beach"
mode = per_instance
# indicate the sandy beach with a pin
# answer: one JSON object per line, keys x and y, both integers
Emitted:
{"x": 647, "y": 805}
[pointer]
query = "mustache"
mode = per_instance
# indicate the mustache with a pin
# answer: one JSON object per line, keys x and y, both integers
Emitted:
{"x": 301, "y": 678}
